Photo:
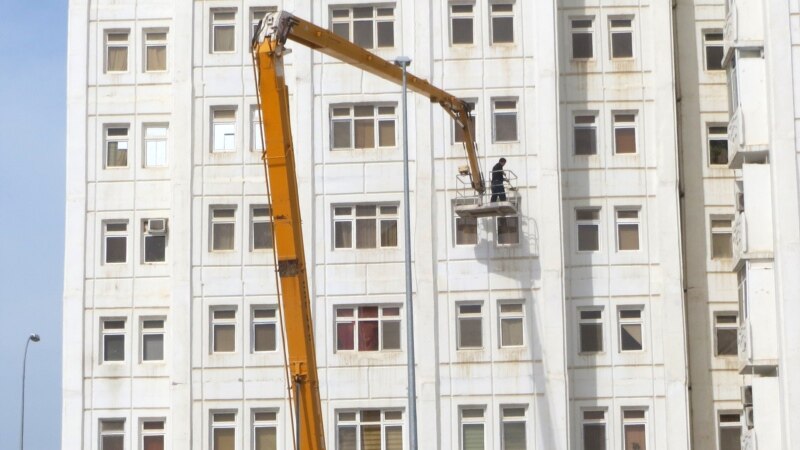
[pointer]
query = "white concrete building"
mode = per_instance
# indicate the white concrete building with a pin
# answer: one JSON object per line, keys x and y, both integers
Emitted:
{"x": 564, "y": 327}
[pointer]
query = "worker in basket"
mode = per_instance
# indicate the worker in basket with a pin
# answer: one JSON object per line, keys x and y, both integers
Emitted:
{"x": 498, "y": 181}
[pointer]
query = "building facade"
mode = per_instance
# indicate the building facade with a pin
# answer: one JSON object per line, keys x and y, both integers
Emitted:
{"x": 563, "y": 327}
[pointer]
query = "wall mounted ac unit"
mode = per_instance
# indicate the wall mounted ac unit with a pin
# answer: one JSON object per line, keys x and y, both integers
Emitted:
{"x": 747, "y": 395}
{"x": 157, "y": 225}
{"x": 748, "y": 416}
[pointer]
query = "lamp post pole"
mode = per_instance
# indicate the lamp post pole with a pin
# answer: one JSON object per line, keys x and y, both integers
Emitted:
{"x": 403, "y": 62}
{"x": 35, "y": 338}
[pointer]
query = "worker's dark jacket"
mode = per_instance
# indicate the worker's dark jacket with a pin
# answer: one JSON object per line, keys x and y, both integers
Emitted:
{"x": 497, "y": 177}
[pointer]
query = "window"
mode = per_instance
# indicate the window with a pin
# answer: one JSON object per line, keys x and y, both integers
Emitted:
{"x": 224, "y": 130}
{"x": 115, "y": 248}
{"x": 504, "y": 115}
{"x": 223, "y": 225}
{"x": 264, "y": 328}
{"x": 588, "y": 223}
{"x": 585, "y": 134}
{"x": 726, "y": 330}
{"x": 512, "y": 324}
{"x": 721, "y": 246}
{"x": 365, "y": 26}
{"x": 630, "y": 329}
{"x": 223, "y": 31}
{"x": 223, "y": 431}
{"x": 718, "y": 145}
{"x": 113, "y": 334}
{"x": 624, "y": 133}
{"x": 372, "y": 429}
{"x": 368, "y": 328}
{"x": 627, "y": 229}
{"x": 365, "y": 221}
{"x": 513, "y": 418}
{"x": 362, "y": 126}
{"x": 155, "y": 53}
{"x": 466, "y": 230}
{"x": 502, "y": 22}
{"x": 154, "y": 237}
{"x": 508, "y": 230}
{"x": 223, "y": 330}
{"x": 458, "y": 132}
{"x": 730, "y": 430}
{"x": 594, "y": 430}
{"x": 152, "y": 434}
{"x": 117, "y": 146}
{"x": 590, "y": 323}
{"x": 582, "y": 38}
{"x": 470, "y": 326}
{"x": 153, "y": 340}
{"x": 634, "y": 432}
{"x": 117, "y": 51}
{"x": 714, "y": 50}
{"x": 155, "y": 145}
{"x": 621, "y": 38}
{"x": 261, "y": 228}
{"x": 256, "y": 131}
{"x": 462, "y": 19}
{"x": 112, "y": 434}
{"x": 265, "y": 430}
{"x": 472, "y": 426}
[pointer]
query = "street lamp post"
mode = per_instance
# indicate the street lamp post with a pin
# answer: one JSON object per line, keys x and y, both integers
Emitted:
{"x": 403, "y": 62}
{"x": 35, "y": 338}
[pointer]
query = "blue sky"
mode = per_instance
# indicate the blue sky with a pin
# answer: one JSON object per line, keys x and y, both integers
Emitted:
{"x": 32, "y": 133}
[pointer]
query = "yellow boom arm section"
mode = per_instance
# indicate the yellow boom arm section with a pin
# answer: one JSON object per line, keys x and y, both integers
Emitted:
{"x": 268, "y": 50}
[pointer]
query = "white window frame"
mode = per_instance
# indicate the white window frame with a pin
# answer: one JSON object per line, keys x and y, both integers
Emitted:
{"x": 380, "y": 115}
{"x": 256, "y": 133}
{"x": 471, "y": 419}
{"x": 588, "y": 320}
{"x": 221, "y": 123}
{"x": 461, "y": 15}
{"x": 581, "y": 30}
{"x": 149, "y": 235}
{"x": 217, "y": 423}
{"x": 721, "y": 425}
{"x": 505, "y": 219}
{"x": 619, "y": 122}
{"x": 339, "y": 217}
{"x": 506, "y": 418}
{"x": 152, "y": 39}
{"x": 713, "y": 134}
{"x": 720, "y": 325}
{"x": 261, "y": 219}
{"x": 620, "y": 29}
{"x": 152, "y": 431}
{"x": 354, "y": 419}
{"x": 114, "y": 234}
{"x": 110, "y": 432}
{"x": 707, "y": 43}
{"x": 106, "y": 332}
{"x": 118, "y": 139}
{"x": 155, "y": 144}
{"x": 221, "y": 220}
{"x": 503, "y": 15}
{"x": 263, "y": 316}
{"x": 632, "y": 421}
{"x": 470, "y": 316}
{"x": 264, "y": 419}
{"x": 117, "y": 44}
{"x": 379, "y": 16}
{"x": 466, "y": 222}
{"x": 594, "y": 222}
{"x": 148, "y": 326}
{"x": 218, "y": 320}
{"x": 580, "y": 120}
{"x": 507, "y": 312}
{"x": 386, "y": 314}
{"x": 505, "y": 110}
{"x": 223, "y": 23}
{"x": 623, "y": 321}
{"x": 719, "y": 229}
{"x": 623, "y": 219}
{"x": 593, "y": 417}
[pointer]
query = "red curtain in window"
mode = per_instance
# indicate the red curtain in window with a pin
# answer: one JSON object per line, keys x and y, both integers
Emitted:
{"x": 368, "y": 336}
{"x": 344, "y": 336}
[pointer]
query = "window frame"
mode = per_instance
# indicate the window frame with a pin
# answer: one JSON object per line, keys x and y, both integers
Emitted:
{"x": 513, "y": 111}
{"x": 353, "y": 218}
{"x": 725, "y": 326}
{"x": 461, "y": 15}
{"x": 145, "y": 433}
{"x": 102, "y": 433}
{"x": 355, "y": 319}
{"x": 468, "y": 421}
{"x": 268, "y": 420}
{"x": 117, "y": 45}
{"x": 376, "y": 19}
{"x": 505, "y": 219}
{"x": 471, "y": 222}
{"x": 217, "y": 124}
{"x": 581, "y": 30}
{"x": 508, "y": 420}
{"x": 631, "y": 321}
{"x": 377, "y": 118}
{"x": 720, "y": 230}
{"x": 504, "y": 16}
{"x": 114, "y": 234}
{"x": 149, "y": 235}
{"x": 505, "y": 316}
{"x": 222, "y": 220}
{"x": 218, "y": 424}
{"x": 388, "y": 420}
{"x": 106, "y": 332}
{"x": 256, "y": 131}
{"x": 215, "y": 322}
{"x": 265, "y": 219}
{"x": 157, "y": 140}
{"x": 591, "y": 321}
{"x": 625, "y": 125}
{"x": 580, "y": 122}
{"x": 620, "y": 222}
{"x": 155, "y": 43}
{"x": 222, "y": 23}
{"x": 713, "y": 134}
{"x": 469, "y": 316}
{"x": 594, "y": 222}
{"x": 587, "y": 421}
{"x": 615, "y": 30}
{"x": 267, "y": 321}
{"x": 152, "y": 331}
{"x": 708, "y": 44}
{"x": 728, "y": 424}
{"x": 634, "y": 422}
{"x": 118, "y": 139}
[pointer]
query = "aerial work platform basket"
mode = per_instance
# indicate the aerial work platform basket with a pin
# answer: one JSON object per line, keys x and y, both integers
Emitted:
{"x": 469, "y": 204}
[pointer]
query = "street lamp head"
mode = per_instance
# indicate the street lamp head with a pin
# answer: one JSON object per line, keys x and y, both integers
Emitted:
{"x": 34, "y": 337}
{"x": 402, "y": 61}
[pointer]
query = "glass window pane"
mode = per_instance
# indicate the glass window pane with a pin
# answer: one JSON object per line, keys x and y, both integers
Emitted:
{"x": 114, "y": 347}
{"x": 730, "y": 438}
{"x": 385, "y": 34}
{"x": 224, "y": 38}
{"x": 727, "y": 344}
{"x": 514, "y": 436}
{"x": 625, "y": 140}
{"x": 386, "y": 133}
{"x": 505, "y": 127}
{"x": 391, "y": 336}
{"x": 341, "y": 134}
{"x": 472, "y": 436}
{"x": 621, "y": 45}
{"x": 368, "y": 336}
{"x": 394, "y": 438}
{"x": 594, "y": 436}
{"x": 153, "y": 347}
{"x": 511, "y": 332}
{"x": 153, "y": 442}
{"x": 388, "y": 233}
{"x": 635, "y": 437}
{"x": 224, "y": 439}
{"x": 718, "y": 151}
{"x": 507, "y": 230}
{"x": 363, "y": 12}
{"x": 342, "y": 29}
{"x": 502, "y": 30}
{"x": 631, "y": 336}
{"x": 585, "y": 141}
{"x": 343, "y": 234}
{"x": 362, "y": 33}
{"x": 344, "y": 336}
{"x": 628, "y": 236}
{"x": 155, "y": 248}
{"x": 224, "y": 136}
{"x": 466, "y": 231}
{"x": 462, "y": 30}
{"x": 588, "y": 239}
{"x": 366, "y": 233}
{"x": 714, "y": 55}
{"x": 264, "y": 339}
{"x": 266, "y": 438}
{"x": 222, "y": 236}
{"x": 116, "y": 249}
{"x": 224, "y": 338}
{"x": 365, "y": 133}
{"x": 347, "y": 438}
{"x": 371, "y": 437}
{"x": 469, "y": 333}
{"x": 117, "y": 59}
{"x": 721, "y": 245}
{"x": 156, "y": 58}
{"x": 587, "y": 214}
{"x": 112, "y": 442}
{"x": 582, "y": 46}
{"x": 262, "y": 235}
{"x": 591, "y": 337}
{"x": 366, "y": 210}
{"x": 117, "y": 154}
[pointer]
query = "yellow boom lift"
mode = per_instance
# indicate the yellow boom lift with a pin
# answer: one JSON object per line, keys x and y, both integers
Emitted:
{"x": 268, "y": 48}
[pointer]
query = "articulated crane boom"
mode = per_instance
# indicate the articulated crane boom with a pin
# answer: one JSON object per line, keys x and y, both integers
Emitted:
{"x": 268, "y": 50}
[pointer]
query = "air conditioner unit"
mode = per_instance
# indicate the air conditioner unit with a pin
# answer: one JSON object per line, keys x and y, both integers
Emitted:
{"x": 748, "y": 416}
{"x": 157, "y": 225}
{"x": 738, "y": 192}
{"x": 747, "y": 395}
